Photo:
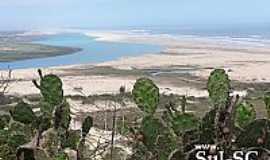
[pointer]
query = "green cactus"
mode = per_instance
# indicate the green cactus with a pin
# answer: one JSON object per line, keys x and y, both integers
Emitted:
{"x": 207, "y": 128}
{"x": 255, "y": 134}
{"x": 62, "y": 120}
{"x": 218, "y": 86}
{"x": 46, "y": 108}
{"x": 157, "y": 138}
{"x": 182, "y": 123}
{"x": 87, "y": 125}
{"x": 73, "y": 139}
{"x": 23, "y": 113}
{"x": 42, "y": 123}
{"x": 50, "y": 88}
{"x": 245, "y": 113}
{"x": 267, "y": 103}
{"x": 146, "y": 95}
{"x": 151, "y": 129}
{"x": 62, "y": 116}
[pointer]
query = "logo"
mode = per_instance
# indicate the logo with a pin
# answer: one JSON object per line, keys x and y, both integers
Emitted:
{"x": 212, "y": 152}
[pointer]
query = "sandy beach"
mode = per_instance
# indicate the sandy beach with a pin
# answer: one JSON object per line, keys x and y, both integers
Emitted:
{"x": 244, "y": 62}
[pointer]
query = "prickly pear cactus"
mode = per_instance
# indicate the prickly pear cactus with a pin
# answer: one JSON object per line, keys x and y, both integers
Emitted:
{"x": 73, "y": 139}
{"x": 207, "y": 128}
{"x": 218, "y": 87}
{"x": 146, "y": 95}
{"x": 184, "y": 122}
{"x": 42, "y": 123}
{"x": 86, "y": 126}
{"x": 267, "y": 103}
{"x": 151, "y": 128}
{"x": 51, "y": 88}
{"x": 255, "y": 134}
{"x": 62, "y": 116}
{"x": 157, "y": 138}
{"x": 46, "y": 108}
{"x": 23, "y": 113}
{"x": 245, "y": 114}
{"x": 62, "y": 120}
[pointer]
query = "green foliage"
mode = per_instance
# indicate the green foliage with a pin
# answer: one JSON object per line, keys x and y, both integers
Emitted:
{"x": 207, "y": 128}
{"x": 151, "y": 129}
{"x": 62, "y": 116}
{"x": 245, "y": 113}
{"x": 169, "y": 135}
{"x": 157, "y": 138}
{"x": 23, "y": 113}
{"x": 146, "y": 95}
{"x": 16, "y": 140}
{"x": 46, "y": 108}
{"x": 61, "y": 156}
{"x": 9, "y": 142}
{"x": 42, "y": 123}
{"x": 267, "y": 103}
{"x": 87, "y": 125}
{"x": 4, "y": 121}
{"x": 184, "y": 122}
{"x": 50, "y": 88}
{"x": 19, "y": 128}
{"x": 73, "y": 139}
{"x": 255, "y": 134}
{"x": 218, "y": 86}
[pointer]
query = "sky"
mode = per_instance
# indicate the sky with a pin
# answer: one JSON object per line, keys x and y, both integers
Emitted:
{"x": 32, "y": 14}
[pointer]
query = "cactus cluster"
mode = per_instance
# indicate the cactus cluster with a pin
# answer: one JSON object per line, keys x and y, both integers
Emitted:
{"x": 163, "y": 132}
{"x": 231, "y": 123}
{"x": 160, "y": 135}
{"x": 45, "y": 134}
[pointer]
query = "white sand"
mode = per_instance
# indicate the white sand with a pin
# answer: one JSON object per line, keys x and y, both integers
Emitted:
{"x": 248, "y": 61}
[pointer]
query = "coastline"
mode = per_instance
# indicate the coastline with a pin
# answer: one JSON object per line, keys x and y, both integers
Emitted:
{"x": 244, "y": 63}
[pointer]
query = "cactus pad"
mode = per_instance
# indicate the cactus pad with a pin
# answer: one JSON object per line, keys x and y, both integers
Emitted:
{"x": 87, "y": 125}
{"x": 151, "y": 128}
{"x": 146, "y": 95}
{"x": 207, "y": 128}
{"x": 51, "y": 89}
{"x": 245, "y": 113}
{"x": 184, "y": 122}
{"x": 23, "y": 113}
{"x": 218, "y": 87}
{"x": 267, "y": 103}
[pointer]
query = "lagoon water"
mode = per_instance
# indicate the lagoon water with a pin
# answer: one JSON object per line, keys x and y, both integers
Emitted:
{"x": 92, "y": 51}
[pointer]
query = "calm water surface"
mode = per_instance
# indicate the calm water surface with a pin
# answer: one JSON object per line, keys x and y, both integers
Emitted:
{"x": 92, "y": 52}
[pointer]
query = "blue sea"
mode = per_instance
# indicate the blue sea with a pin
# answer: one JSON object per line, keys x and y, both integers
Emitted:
{"x": 92, "y": 51}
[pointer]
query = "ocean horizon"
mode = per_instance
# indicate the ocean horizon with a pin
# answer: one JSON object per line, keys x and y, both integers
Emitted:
{"x": 94, "y": 51}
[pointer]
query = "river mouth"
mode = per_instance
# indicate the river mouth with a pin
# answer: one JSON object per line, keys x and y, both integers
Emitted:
{"x": 91, "y": 51}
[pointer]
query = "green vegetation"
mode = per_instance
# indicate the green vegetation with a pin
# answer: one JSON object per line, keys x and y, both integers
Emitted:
{"x": 146, "y": 95}
{"x": 164, "y": 131}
